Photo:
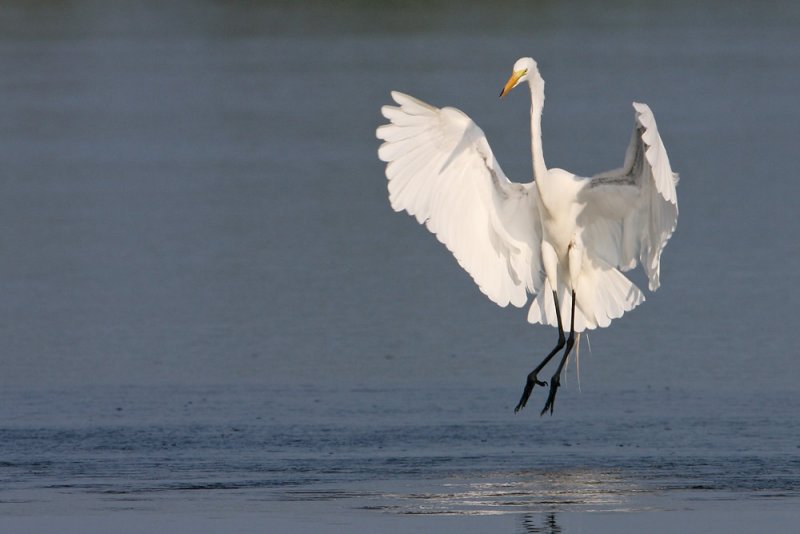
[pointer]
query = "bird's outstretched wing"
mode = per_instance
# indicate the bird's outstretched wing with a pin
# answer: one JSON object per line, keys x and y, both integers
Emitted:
{"x": 631, "y": 212}
{"x": 442, "y": 171}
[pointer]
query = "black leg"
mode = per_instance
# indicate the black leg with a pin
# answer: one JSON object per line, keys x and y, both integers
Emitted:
{"x": 533, "y": 380}
{"x": 555, "y": 382}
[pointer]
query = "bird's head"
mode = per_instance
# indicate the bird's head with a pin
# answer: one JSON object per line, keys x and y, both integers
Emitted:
{"x": 524, "y": 69}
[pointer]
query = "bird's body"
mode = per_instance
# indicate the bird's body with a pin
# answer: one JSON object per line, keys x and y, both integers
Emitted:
{"x": 563, "y": 238}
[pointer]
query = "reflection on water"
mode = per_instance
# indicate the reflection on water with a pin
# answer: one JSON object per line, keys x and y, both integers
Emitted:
{"x": 540, "y": 523}
{"x": 402, "y": 452}
{"x": 501, "y": 493}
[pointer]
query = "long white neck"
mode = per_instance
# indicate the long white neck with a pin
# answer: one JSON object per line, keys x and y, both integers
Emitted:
{"x": 537, "y": 104}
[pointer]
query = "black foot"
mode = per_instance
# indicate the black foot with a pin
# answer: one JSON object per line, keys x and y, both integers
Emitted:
{"x": 555, "y": 382}
{"x": 532, "y": 381}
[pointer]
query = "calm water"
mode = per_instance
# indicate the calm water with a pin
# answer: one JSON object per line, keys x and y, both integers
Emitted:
{"x": 211, "y": 318}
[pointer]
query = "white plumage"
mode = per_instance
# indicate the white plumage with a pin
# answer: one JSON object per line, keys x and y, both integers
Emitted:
{"x": 442, "y": 171}
{"x": 557, "y": 234}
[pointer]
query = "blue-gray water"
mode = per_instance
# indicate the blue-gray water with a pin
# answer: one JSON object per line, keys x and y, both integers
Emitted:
{"x": 209, "y": 312}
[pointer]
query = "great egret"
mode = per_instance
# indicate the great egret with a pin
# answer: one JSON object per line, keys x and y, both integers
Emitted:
{"x": 563, "y": 238}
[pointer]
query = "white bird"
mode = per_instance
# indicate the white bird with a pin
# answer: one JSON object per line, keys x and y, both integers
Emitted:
{"x": 563, "y": 238}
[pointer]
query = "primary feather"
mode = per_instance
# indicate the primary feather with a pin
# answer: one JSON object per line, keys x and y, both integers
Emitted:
{"x": 442, "y": 171}
{"x": 632, "y": 212}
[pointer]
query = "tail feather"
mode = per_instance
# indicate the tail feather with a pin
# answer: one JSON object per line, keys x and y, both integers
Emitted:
{"x": 603, "y": 294}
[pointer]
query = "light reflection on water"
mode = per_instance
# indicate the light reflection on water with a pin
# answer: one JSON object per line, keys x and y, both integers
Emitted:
{"x": 435, "y": 460}
{"x": 525, "y": 491}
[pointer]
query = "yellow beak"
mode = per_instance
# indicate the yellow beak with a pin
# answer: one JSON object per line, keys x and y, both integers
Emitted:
{"x": 513, "y": 81}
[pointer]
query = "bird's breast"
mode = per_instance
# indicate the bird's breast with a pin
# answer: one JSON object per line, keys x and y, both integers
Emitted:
{"x": 559, "y": 210}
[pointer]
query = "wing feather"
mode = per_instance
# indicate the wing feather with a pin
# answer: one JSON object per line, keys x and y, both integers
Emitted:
{"x": 442, "y": 171}
{"x": 631, "y": 212}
